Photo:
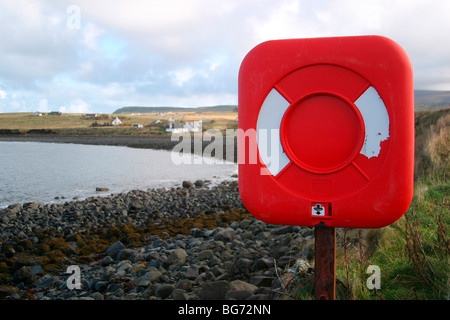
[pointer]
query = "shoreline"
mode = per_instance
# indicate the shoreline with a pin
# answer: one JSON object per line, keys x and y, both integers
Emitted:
{"x": 151, "y": 142}
{"x": 133, "y": 142}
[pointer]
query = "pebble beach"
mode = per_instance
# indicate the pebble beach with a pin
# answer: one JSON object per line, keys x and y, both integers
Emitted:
{"x": 194, "y": 242}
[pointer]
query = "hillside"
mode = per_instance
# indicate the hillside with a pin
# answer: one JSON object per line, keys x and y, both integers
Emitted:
{"x": 424, "y": 100}
{"x": 431, "y": 100}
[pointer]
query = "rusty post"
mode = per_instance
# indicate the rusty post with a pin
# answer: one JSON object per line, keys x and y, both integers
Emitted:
{"x": 325, "y": 262}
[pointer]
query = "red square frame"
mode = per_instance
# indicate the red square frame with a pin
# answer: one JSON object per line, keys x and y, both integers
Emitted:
{"x": 343, "y": 110}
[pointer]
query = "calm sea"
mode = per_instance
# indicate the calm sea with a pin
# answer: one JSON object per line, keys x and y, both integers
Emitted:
{"x": 39, "y": 172}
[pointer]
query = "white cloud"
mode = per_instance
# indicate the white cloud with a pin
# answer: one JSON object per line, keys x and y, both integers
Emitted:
{"x": 3, "y": 94}
{"x": 91, "y": 34}
{"x": 76, "y": 106}
{"x": 180, "y": 77}
{"x": 43, "y": 106}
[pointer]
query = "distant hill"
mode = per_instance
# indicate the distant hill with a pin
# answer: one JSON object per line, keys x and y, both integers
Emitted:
{"x": 423, "y": 100}
{"x": 431, "y": 99}
{"x": 220, "y": 108}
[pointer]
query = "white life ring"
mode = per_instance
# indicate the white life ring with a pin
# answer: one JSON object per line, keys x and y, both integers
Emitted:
{"x": 369, "y": 106}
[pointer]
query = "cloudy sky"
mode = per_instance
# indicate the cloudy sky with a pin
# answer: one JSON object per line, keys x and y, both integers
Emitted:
{"x": 100, "y": 55}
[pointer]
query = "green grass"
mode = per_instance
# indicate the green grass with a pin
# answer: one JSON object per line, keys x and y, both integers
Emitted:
{"x": 77, "y": 124}
{"x": 413, "y": 253}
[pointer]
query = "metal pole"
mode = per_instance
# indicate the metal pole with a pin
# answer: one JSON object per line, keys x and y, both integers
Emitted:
{"x": 325, "y": 262}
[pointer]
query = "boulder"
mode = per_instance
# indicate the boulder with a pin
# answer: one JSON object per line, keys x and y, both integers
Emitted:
{"x": 187, "y": 184}
{"x": 214, "y": 290}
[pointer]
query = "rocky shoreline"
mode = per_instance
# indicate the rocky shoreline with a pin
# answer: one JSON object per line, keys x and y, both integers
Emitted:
{"x": 150, "y": 142}
{"x": 153, "y": 142}
{"x": 185, "y": 243}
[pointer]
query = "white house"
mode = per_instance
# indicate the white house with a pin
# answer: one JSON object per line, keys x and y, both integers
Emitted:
{"x": 176, "y": 128}
{"x": 116, "y": 122}
{"x": 195, "y": 126}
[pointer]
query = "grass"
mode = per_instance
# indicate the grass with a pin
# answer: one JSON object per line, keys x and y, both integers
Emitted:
{"x": 412, "y": 253}
{"x": 78, "y": 124}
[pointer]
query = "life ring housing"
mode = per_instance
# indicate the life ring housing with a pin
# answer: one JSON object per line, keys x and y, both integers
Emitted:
{"x": 332, "y": 121}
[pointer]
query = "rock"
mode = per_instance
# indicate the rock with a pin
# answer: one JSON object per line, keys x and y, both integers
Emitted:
{"x": 127, "y": 254}
{"x": 282, "y": 230}
{"x": 187, "y": 184}
{"x": 263, "y": 264}
{"x": 177, "y": 255}
{"x": 114, "y": 249}
{"x": 36, "y": 270}
{"x": 205, "y": 255}
{"x": 106, "y": 261}
{"x": 191, "y": 273}
{"x": 22, "y": 274}
{"x": 113, "y": 287}
{"x": 262, "y": 281}
{"x": 100, "y": 286}
{"x": 184, "y": 284}
{"x": 163, "y": 291}
{"x": 179, "y": 294}
{"x": 225, "y": 235}
{"x": 286, "y": 261}
{"x": 124, "y": 265}
{"x": 152, "y": 275}
{"x": 199, "y": 183}
{"x": 8, "y": 291}
{"x": 101, "y": 189}
{"x": 97, "y": 296}
{"x": 48, "y": 282}
{"x": 214, "y": 290}
{"x": 14, "y": 208}
{"x": 31, "y": 205}
{"x": 240, "y": 290}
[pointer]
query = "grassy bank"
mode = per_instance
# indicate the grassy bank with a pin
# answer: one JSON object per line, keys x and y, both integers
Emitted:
{"x": 100, "y": 125}
{"x": 413, "y": 253}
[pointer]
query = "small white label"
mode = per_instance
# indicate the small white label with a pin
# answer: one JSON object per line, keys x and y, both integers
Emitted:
{"x": 318, "y": 210}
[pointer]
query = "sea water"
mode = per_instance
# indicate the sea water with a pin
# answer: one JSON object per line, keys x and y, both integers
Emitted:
{"x": 44, "y": 172}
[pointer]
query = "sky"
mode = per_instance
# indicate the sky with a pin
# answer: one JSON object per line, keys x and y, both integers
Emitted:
{"x": 97, "y": 56}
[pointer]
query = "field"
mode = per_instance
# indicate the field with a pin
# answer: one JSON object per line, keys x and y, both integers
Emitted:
{"x": 80, "y": 124}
